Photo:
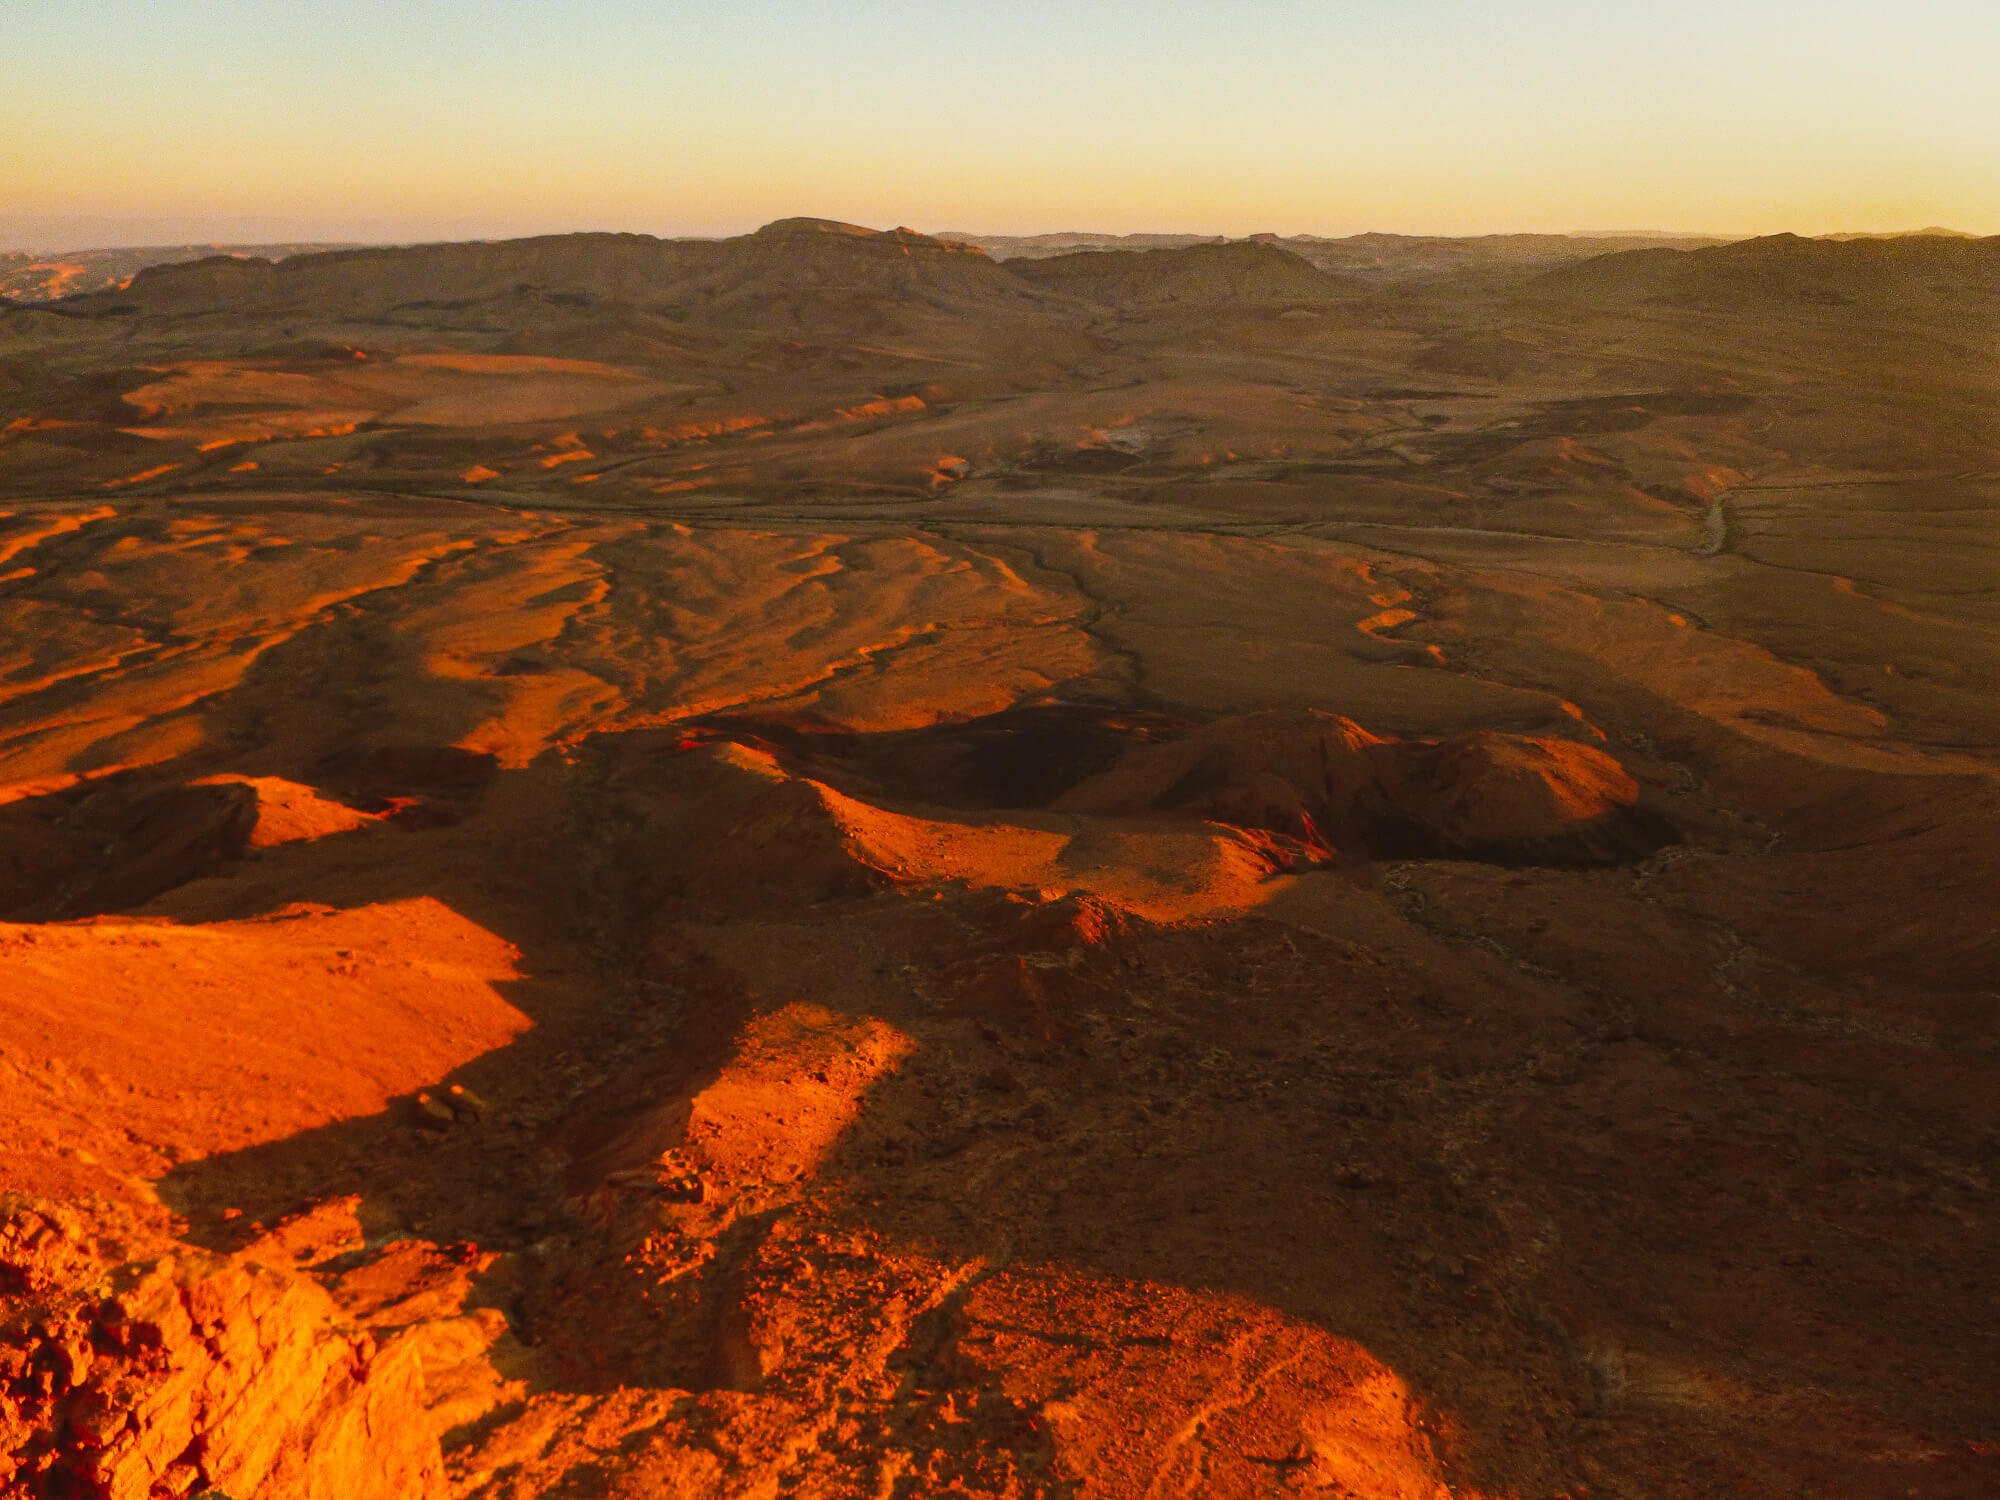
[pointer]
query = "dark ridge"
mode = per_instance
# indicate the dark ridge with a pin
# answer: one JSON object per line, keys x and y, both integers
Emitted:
{"x": 1239, "y": 272}
{"x": 1785, "y": 268}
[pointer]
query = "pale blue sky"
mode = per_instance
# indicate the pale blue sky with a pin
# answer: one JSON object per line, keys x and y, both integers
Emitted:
{"x": 1326, "y": 116}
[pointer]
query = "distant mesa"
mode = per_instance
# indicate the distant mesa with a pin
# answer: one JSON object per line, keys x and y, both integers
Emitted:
{"x": 1237, "y": 272}
{"x": 781, "y": 227}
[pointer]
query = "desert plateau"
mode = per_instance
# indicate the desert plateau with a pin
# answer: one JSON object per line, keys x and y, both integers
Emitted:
{"x": 845, "y": 863}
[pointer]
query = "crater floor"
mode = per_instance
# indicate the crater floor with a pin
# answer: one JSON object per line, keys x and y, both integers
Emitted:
{"x": 1393, "y": 902}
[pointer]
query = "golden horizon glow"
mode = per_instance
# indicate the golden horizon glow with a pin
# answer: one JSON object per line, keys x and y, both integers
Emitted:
{"x": 1434, "y": 116}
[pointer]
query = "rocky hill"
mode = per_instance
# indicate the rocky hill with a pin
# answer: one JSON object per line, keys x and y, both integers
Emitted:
{"x": 1239, "y": 272}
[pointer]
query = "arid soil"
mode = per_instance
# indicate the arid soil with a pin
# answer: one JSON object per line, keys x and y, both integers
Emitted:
{"x": 816, "y": 865}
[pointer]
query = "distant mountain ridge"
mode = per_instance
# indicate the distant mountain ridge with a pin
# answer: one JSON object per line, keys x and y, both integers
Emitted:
{"x": 1945, "y": 275}
{"x": 790, "y": 260}
{"x": 27, "y": 276}
{"x": 806, "y": 277}
{"x": 803, "y": 273}
{"x": 31, "y": 277}
{"x": 1373, "y": 256}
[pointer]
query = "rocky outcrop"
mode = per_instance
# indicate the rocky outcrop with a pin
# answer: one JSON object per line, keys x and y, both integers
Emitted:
{"x": 1325, "y": 781}
{"x": 132, "y": 1376}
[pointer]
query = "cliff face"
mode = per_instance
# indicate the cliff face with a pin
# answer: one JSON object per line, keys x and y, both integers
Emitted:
{"x": 187, "y": 1373}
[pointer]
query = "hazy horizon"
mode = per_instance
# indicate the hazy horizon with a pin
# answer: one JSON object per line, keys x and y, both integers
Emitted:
{"x": 223, "y": 233}
{"x": 457, "y": 122}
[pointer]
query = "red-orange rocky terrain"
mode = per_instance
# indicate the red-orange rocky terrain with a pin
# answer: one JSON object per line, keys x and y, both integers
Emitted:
{"x": 817, "y": 865}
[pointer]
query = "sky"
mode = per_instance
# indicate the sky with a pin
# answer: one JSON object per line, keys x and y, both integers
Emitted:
{"x": 171, "y": 120}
